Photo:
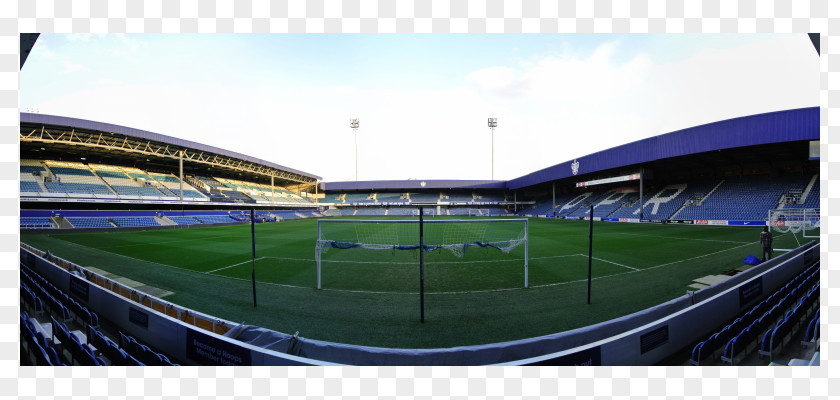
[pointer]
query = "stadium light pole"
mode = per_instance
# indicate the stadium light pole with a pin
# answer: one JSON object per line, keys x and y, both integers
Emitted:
{"x": 354, "y": 123}
{"x": 492, "y": 123}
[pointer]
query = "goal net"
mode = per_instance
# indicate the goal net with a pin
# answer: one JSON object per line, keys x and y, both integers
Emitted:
{"x": 477, "y": 212}
{"x": 376, "y": 246}
{"x": 796, "y": 220}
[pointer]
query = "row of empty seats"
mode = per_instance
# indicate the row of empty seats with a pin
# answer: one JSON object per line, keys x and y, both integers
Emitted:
{"x": 35, "y": 223}
{"x": 746, "y": 333}
{"x": 58, "y": 345}
{"x": 94, "y": 179}
{"x": 57, "y": 342}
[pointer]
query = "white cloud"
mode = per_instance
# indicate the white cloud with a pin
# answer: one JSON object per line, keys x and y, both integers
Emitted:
{"x": 71, "y": 67}
{"x": 498, "y": 80}
{"x": 565, "y": 79}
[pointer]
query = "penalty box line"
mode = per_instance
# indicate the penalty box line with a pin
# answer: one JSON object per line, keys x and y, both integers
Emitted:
{"x": 608, "y": 261}
{"x": 234, "y": 265}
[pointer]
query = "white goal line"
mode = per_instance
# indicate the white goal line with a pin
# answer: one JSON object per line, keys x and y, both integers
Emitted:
{"x": 231, "y": 266}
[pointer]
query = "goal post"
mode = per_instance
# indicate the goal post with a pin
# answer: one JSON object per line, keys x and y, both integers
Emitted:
{"x": 455, "y": 237}
{"x": 477, "y": 212}
{"x": 795, "y": 220}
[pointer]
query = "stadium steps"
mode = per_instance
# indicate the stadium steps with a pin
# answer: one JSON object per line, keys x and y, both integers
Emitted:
{"x": 808, "y": 188}
{"x": 710, "y": 192}
{"x": 163, "y": 220}
{"x": 104, "y": 182}
{"x": 49, "y": 174}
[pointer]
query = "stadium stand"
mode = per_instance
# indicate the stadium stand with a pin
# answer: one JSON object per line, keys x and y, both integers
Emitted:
{"x": 35, "y": 223}
{"x": 402, "y": 211}
{"x": 358, "y": 198}
{"x": 425, "y": 197}
{"x": 214, "y": 219}
{"x": 31, "y": 176}
{"x": 583, "y": 209}
{"x": 665, "y": 202}
{"x": 66, "y": 346}
{"x": 30, "y": 187}
{"x": 762, "y": 329}
{"x": 456, "y": 196}
{"x": 184, "y": 220}
{"x": 810, "y": 196}
{"x": 134, "y": 221}
{"x": 70, "y": 333}
{"x": 122, "y": 183}
{"x": 90, "y": 222}
{"x": 745, "y": 198}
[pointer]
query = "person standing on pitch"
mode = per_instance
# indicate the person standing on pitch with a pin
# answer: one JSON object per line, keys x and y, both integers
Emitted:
{"x": 766, "y": 239}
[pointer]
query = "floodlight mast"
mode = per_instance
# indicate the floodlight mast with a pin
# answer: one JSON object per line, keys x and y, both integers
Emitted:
{"x": 354, "y": 123}
{"x": 492, "y": 123}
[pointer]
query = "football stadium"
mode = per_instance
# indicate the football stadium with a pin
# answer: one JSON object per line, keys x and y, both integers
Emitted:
{"x": 144, "y": 248}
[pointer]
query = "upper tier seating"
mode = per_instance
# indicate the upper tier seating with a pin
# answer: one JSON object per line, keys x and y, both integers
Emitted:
{"x": 77, "y": 188}
{"x": 425, "y": 197}
{"x": 457, "y": 196}
{"x": 30, "y": 187}
{"x": 68, "y": 171}
{"x": 75, "y": 178}
{"x": 137, "y": 191}
{"x": 357, "y": 198}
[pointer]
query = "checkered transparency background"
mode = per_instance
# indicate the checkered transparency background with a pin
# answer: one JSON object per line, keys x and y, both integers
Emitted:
{"x": 388, "y": 16}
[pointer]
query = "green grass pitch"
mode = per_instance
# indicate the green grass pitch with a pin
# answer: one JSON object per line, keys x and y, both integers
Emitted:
{"x": 476, "y": 299}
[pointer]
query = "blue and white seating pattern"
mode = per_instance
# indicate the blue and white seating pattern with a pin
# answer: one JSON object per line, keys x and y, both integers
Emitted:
{"x": 745, "y": 198}
{"x": 35, "y": 222}
{"x": 78, "y": 188}
{"x": 90, "y": 222}
{"x": 134, "y": 221}
{"x": 184, "y": 220}
{"x": 214, "y": 219}
{"x": 30, "y": 187}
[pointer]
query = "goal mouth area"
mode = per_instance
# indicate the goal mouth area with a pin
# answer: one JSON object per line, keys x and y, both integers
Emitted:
{"x": 461, "y": 243}
{"x": 794, "y": 221}
{"x": 503, "y": 246}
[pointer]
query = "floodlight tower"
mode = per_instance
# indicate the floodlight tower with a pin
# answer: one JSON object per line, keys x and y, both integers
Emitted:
{"x": 492, "y": 123}
{"x": 354, "y": 123}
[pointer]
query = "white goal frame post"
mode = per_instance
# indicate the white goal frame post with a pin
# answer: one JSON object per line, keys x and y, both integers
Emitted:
{"x": 795, "y": 220}
{"x": 372, "y": 240}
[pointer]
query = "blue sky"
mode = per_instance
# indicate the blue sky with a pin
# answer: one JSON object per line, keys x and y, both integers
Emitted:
{"x": 288, "y": 98}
